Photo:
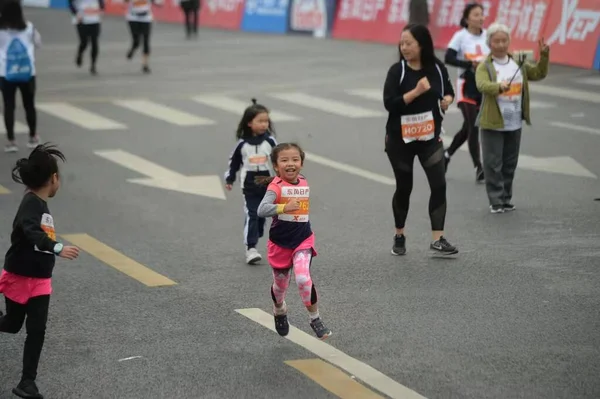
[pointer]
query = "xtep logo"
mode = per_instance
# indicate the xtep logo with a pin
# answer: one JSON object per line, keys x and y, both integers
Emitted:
{"x": 575, "y": 23}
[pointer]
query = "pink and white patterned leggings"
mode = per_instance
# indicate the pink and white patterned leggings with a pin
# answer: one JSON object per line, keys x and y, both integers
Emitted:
{"x": 301, "y": 267}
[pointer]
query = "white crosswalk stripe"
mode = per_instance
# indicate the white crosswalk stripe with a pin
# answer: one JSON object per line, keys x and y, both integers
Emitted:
{"x": 326, "y": 105}
{"x": 19, "y": 127}
{"x": 80, "y": 117}
{"x": 164, "y": 113}
{"x": 370, "y": 98}
{"x": 237, "y": 107}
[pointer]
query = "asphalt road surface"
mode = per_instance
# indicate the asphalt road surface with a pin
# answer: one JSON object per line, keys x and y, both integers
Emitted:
{"x": 514, "y": 316}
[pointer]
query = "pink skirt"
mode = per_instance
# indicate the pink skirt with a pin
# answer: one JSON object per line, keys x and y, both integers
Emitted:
{"x": 282, "y": 258}
{"x": 20, "y": 288}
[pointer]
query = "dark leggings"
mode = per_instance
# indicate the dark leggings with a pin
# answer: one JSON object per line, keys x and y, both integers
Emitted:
{"x": 431, "y": 157}
{"x": 190, "y": 13}
{"x": 88, "y": 33}
{"x": 36, "y": 312}
{"x": 9, "y": 95}
{"x": 468, "y": 132}
{"x": 140, "y": 29}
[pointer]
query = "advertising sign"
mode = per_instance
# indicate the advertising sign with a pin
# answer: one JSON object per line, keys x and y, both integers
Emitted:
{"x": 36, "y": 3}
{"x": 572, "y": 32}
{"x": 226, "y": 14}
{"x": 269, "y": 16}
{"x": 313, "y": 17}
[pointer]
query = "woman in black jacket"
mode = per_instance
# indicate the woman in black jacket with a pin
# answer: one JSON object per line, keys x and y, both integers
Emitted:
{"x": 416, "y": 94}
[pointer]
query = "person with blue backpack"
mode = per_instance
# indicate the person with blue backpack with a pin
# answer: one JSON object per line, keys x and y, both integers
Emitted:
{"x": 18, "y": 40}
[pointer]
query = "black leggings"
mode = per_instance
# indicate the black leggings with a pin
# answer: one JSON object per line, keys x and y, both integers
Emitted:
{"x": 431, "y": 157}
{"x": 138, "y": 29}
{"x": 9, "y": 95}
{"x": 468, "y": 132}
{"x": 190, "y": 13}
{"x": 88, "y": 33}
{"x": 36, "y": 311}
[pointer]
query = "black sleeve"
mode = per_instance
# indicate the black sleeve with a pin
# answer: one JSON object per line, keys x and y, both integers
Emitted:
{"x": 72, "y": 7}
{"x": 235, "y": 162}
{"x": 30, "y": 220}
{"x": 448, "y": 87}
{"x": 452, "y": 59}
{"x": 101, "y": 4}
{"x": 393, "y": 98}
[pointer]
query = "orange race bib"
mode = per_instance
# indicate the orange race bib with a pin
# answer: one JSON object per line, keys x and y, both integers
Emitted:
{"x": 418, "y": 127}
{"x": 47, "y": 224}
{"x": 303, "y": 195}
{"x": 257, "y": 160}
{"x": 514, "y": 90}
{"x": 140, "y": 3}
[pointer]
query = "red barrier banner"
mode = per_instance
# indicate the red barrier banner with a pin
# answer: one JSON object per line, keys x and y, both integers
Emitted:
{"x": 226, "y": 14}
{"x": 572, "y": 31}
{"x": 169, "y": 11}
{"x": 370, "y": 20}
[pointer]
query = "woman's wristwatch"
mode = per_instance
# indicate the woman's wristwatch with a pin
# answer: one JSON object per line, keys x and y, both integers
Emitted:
{"x": 58, "y": 248}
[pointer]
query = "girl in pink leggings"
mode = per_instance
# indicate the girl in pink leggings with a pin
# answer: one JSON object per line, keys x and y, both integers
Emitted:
{"x": 291, "y": 240}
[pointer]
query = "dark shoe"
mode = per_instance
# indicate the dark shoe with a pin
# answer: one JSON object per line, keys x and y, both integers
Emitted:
{"x": 443, "y": 247}
{"x": 508, "y": 207}
{"x": 496, "y": 208}
{"x": 399, "y": 247}
{"x": 281, "y": 325}
{"x": 319, "y": 328}
{"x": 28, "y": 390}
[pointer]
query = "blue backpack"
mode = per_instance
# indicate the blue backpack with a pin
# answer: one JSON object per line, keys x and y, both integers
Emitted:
{"x": 18, "y": 64}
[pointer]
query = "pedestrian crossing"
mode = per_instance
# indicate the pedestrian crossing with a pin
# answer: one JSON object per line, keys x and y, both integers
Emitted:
{"x": 199, "y": 110}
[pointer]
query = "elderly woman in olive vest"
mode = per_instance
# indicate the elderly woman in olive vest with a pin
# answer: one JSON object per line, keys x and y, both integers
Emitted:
{"x": 503, "y": 80}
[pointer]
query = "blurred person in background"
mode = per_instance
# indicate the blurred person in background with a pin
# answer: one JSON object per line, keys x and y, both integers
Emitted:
{"x": 419, "y": 12}
{"x": 190, "y": 12}
{"x": 503, "y": 81}
{"x": 18, "y": 40}
{"x": 139, "y": 17}
{"x": 87, "y": 15}
{"x": 466, "y": 50}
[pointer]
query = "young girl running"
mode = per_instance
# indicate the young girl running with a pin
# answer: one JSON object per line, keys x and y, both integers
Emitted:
{"x": 26, "y": 278}
{"x": 251, "y": 154}
{"x": 291, "y": 240}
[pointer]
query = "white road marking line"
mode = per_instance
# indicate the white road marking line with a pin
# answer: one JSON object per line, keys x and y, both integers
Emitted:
{"x": 163, "y": 113}
{"x": 588, "y": 81}
{"x": 326, "y": 105}
{"x": 19, "y": 127}
{"x": 237, "y": 107}
{"x": 570, "y": 126}
{"x": 80, "y": 117}
{"x": 130, "y": 358}
{"x": 362, "y": 371}
{"x": 577, "y": 95}
{"x": 350, "y": 169}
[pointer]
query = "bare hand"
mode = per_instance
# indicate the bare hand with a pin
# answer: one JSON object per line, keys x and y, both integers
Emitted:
{"x": 446, "y": 102}
{"x": 69, "y": 252}
{"x": 543, "y": 46}
{"x": 475, "y": 64}
{"x": 228, "y": 187}
{"x": 292, "y": 205}
{"x": 423, "y": 85}
{"x": 504, "y": 87}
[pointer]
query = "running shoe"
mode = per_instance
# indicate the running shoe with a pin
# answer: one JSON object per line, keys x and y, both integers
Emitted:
{"x": 319, "y": 328}
{"x": 443, "y": 247}
{"x": 399, "y": 247}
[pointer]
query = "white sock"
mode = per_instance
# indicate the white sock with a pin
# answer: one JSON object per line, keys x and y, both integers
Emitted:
{"x": 314, "y": 315}
{"x": 279, "y": 311}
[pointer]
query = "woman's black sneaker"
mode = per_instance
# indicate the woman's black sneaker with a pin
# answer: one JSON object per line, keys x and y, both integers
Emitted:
{"x": 28, "y": 390}
{"x": 399, "y": 247}
{"x": 443, "y": 247}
